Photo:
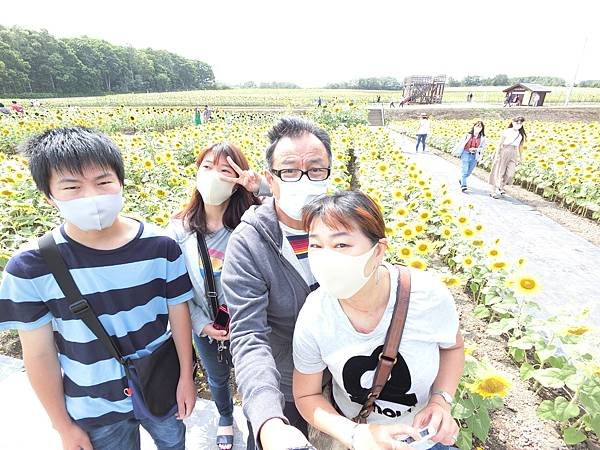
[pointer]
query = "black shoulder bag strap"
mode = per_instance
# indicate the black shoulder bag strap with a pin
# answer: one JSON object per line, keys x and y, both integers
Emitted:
{"x": 210, "y": 287}
{"x": 78, "y": 305}
{"x": 210, "y": 291}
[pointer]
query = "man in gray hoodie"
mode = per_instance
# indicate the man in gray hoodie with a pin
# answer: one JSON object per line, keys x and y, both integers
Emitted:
{"x": 266, "y": 279}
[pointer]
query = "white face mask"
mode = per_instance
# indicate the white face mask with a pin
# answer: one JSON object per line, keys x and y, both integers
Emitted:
{"x": 339, "y": 274}
{"x": 214, "y": 191}
{"x": 293, "y": 196}
{"x": 91, "y": 213}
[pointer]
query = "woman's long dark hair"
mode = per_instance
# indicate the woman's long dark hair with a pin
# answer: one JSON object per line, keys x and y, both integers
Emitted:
{"x": 472, "y": 132}
{"x": 193, "y": 215}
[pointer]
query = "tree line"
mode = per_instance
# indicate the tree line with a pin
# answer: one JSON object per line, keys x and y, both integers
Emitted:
{"x": 36, "y": 64}
{"x": 372, "y": 83}
{"x": 392, "y": 84}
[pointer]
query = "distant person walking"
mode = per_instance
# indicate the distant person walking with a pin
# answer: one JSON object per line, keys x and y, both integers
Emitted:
{"x": 508, "y": 156}
{"x": 469, "y": 149}
{"x": 423, "y": 131}
{"x": 4, "y": 109}
{"x": 319, "y": 102}
{"x": 206, "y": 114}
{"x": 197, "y": 116}
{"x": 469, "y": 97}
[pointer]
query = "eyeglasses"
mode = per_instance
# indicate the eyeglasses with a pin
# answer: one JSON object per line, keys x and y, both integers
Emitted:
{"x": 518, "y": 121}
{"x": 292, "y": 175}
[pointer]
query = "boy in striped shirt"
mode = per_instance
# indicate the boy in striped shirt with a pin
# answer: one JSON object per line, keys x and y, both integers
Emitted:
{"x": 132, "y": 275}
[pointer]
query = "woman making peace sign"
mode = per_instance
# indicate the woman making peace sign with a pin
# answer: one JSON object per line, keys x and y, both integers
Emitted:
{"x": 225, "y": 189}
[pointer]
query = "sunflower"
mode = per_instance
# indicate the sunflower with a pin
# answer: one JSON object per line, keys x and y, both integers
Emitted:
{"x": 467, "y": 233}
{"x": 423, "y": 247}
{"x": 382, "y": 168}
{"x": 7, "y": 192}
{"x": 450, "y": 280}
{"x": 469, "y": 348}
{"x": 405, "y": 252}
{"x": 445, "y": 232}
{"x": 491, "y": 385}
{"x": 494, "y": 252}
{"x": 420, "y": 228}
{"x": 525, "y": 284}
{"x": 463, "y": 220}
{"x": 401, "y": 211}
{"x": 417, "y": 263}
{"x": 161, "y": 193}
{"x": 424, "y": 215}
{"x": 468, "y": 261}
{"x": 407, "y": 233}
{"x": 398, "y": 194}
{"x": 577, "y": 330}
{"x": 477, "y": 243}
{"x": 498, "y": 265}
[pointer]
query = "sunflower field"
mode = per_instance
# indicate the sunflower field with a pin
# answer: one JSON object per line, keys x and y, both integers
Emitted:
{"x": 426, "y": 228}
{"x": 561, "y": 160}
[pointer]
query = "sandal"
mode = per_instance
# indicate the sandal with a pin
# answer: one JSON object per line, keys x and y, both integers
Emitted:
{"x": 224, "y": 439}
{"x": 464, "y": 189}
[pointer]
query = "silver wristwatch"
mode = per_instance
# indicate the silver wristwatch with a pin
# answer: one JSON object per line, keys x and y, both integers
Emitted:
{"x": 447, "y": 397}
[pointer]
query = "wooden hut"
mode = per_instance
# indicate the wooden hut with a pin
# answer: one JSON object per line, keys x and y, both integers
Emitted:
{"x": 515, "y": 95}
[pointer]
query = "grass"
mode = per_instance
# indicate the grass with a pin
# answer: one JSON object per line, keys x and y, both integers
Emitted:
{"x": 289, "y": 98}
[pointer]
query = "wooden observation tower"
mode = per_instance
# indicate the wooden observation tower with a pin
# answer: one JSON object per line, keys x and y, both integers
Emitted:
{"x": 424, "y": 89}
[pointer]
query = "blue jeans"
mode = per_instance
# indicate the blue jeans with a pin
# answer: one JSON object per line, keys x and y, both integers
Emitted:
{"x": 421, "y": 138}
{"x": 469, "y": 161}
{"x": 168, "y": 434}
{"x": 440, "y": 446}
{"x": 218, "y": 378}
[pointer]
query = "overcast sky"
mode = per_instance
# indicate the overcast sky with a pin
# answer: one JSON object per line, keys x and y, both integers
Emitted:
{"x": 313, "y": 42}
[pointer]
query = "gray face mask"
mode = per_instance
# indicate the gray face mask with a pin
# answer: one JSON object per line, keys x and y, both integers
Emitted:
{"x": 91, "y": 213}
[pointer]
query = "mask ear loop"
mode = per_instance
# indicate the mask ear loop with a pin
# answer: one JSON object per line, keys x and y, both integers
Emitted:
{"x": 377, "y": 272}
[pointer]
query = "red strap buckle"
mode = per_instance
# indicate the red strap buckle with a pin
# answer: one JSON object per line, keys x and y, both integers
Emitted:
{"x": 127, "y": 391}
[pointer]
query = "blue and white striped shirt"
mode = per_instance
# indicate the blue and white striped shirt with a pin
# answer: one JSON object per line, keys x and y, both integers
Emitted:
{"x": 129, "y": 289}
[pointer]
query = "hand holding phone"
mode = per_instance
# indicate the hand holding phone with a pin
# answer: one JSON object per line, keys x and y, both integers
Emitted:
{"x": 222, "y": 319}
{"x": 425, "y": 433}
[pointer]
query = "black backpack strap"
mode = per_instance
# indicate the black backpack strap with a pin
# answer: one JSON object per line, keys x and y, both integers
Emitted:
{"x": 78, "y": 305}
{"x": 210, "y": 287}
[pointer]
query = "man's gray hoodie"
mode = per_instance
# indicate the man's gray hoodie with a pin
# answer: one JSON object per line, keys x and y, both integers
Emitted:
{"x": 264, "y": 293}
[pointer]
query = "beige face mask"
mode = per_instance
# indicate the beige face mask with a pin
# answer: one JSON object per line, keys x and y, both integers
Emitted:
{"x": 213, "y": 190}
{"x": 339, "y": 274}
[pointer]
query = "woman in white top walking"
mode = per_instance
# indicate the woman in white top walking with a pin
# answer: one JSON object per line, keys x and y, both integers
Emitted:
{"x": 508, "y": 156}
{"x": 423, "y": 131}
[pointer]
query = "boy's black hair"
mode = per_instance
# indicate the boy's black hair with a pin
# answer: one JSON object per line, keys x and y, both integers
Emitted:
{"x": 70, "y": 150}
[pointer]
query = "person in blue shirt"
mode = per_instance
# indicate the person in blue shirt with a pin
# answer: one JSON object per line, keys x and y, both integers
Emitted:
{"x": 133, "y": 276}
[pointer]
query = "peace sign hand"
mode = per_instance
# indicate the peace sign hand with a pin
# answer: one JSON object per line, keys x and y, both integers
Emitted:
{"x": 248, "y": 179}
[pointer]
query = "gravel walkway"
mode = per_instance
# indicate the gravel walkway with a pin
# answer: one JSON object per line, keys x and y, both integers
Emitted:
{"x": 25, "y": 425}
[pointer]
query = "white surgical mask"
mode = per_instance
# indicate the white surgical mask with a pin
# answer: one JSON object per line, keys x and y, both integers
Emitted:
{"x": 214, "y": 191}
{"x": 293, "y": 196}
{"x": 91, "y": 213}
{"x": 339, "y": 274}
